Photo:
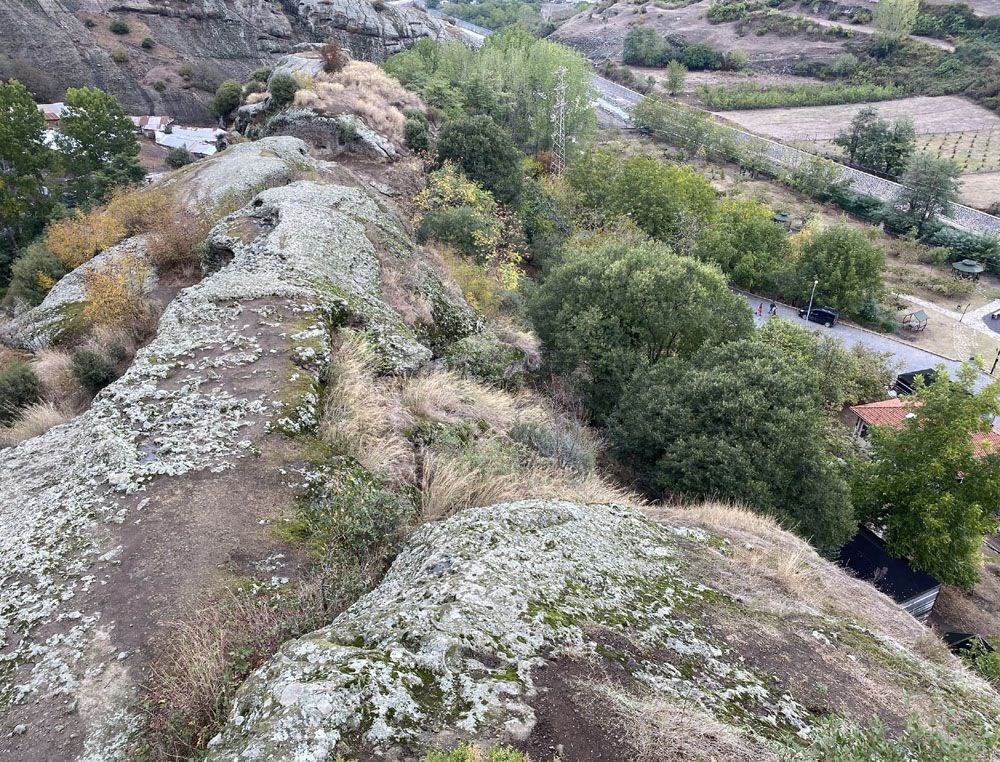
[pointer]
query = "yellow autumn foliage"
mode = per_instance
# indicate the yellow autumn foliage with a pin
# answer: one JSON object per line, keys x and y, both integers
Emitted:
{"x": 114, "y": 295}
{"x": 138, "y": 210}
{"x": 80, "y": 238}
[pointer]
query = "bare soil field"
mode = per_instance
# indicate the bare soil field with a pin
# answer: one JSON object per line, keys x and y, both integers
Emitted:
{"x": 981, "y": 190}
{"x": 601, "y": 34}
{"x": 981, "y": 7}
{"x": 941, "y": 114}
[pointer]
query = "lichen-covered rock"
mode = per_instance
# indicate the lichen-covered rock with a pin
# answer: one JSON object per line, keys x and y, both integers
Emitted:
{"x": 240, "y": 171}
{"x": 237, "y": 356}
{"x": 41, "y": 325}
{"x": 479, "y": 611}
{"x": 331, "y": 135}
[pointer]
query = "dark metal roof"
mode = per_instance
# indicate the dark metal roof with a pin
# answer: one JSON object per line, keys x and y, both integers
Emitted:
{"x": 868, "y": 559}
{"x": 905, "y": 382}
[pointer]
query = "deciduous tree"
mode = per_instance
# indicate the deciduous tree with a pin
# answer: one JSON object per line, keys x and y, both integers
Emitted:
{"x": 895, "y": 19}
{"x": 744, "y": 240}
{"x": 931, "y": 187}
{"x": 847, "y": 265}
{"x": 486, "y": 153}
{"x": 927, "y": 486}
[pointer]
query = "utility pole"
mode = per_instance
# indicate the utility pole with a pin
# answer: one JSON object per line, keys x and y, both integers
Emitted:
{"x": 995, "y": 361}
{"x": 809, "y": 311}
{"x": 559, "y": 134}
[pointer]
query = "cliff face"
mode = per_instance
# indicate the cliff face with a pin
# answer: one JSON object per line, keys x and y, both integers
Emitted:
{"x": 56, "y": 44}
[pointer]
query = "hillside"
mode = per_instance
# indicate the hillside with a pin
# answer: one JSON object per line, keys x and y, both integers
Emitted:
{"x": 193, "y": 44}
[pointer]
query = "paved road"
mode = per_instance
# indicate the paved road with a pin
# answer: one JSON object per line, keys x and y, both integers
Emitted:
{"x": 907, "y": 356}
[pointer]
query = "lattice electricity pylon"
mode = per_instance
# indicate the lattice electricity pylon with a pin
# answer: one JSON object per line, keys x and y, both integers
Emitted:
{"x": 559, "y": 133}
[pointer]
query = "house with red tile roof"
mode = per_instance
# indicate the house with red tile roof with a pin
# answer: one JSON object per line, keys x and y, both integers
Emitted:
{"x": 896, "y": 411}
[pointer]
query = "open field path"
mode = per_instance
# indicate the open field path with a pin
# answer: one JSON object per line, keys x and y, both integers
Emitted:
{"x": 868, "y": 30}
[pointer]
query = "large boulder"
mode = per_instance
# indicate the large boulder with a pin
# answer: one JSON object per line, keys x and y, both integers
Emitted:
{"x": 329, "y": 136}
{"x": 593, "y": 632}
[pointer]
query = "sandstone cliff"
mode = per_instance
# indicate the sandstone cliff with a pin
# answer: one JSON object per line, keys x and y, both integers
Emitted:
{"x": 68, "y": 43}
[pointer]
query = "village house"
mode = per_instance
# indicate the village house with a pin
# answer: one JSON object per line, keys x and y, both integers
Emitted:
{"x": 896, "y": 411}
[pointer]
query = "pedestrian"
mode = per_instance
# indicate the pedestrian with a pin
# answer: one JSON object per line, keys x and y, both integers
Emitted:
{"x": 760, "y": 309}
{"x": 772, "y": 310}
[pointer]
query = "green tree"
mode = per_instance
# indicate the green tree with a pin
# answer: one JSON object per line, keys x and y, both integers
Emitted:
{"x": 845, "y": 376}
{"x": 877, "y": 144}
{"x": 227, "y": 97}
{"x": 33, "y": 273}
{"x": 846, "y": 264}
{"x": 675, "y": 75}
{"x": 619, "y": 302}
{"x": 926, "y": 485}
{"x": 895, "y": 19}
{"x": 744, "y": 240}
{"x": 23, "y": 157}
{"x": 669, "y": 202}
{"x": 282, "y": 87}
{"x": 98, "y": 143}
{"x": 644, "y": 46}
{"x": 740, "y": 422}
{"x": 930, "y": 188}
{"x": 486, "y": 153}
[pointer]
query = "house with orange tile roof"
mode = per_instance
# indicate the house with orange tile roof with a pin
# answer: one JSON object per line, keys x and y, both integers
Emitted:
{"x": 896, "y": 411}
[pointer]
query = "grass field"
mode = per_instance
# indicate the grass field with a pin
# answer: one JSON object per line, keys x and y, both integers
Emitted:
{"x": 973, "y": 151}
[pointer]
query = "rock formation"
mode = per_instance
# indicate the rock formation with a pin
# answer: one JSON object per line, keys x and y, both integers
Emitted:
{"x": 196, "y": 44}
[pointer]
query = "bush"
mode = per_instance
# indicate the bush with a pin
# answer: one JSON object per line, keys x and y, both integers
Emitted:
{"x": 160, "y": 86}
{"x": 486, "y": 154}
{"x": 700, "y": 57}
{"x": 282, "y": 87}
{"x": 93, "y": 370}
{"x": 262, "y": 75}
{"x": 725, "y": 10}
{"x": 89, "y": 23}
{"x": 178, "y": 157}
{"x": 148, "y": 43}
{"x": 34, "y": 273}
{"x": 227, "y": 97}
{"x": 80, "y": 238}
{"x": 416, "y": 131}
{"x": 644, "y": 46}
{"x": 565, "y": 441}
{"x": 332, "y": 56}
{"x": 19, "y": 387}
{"x": 119, "y": 56}
{"x": 115, "y": 296}
{"x": 177, "y": 241}
{"x": 757, "y": 96}
{"x": 460, "y": 227}
{"x": 736, "y": 60}
{"x": 119, "y": 27}
{"x": 138, "y": 210}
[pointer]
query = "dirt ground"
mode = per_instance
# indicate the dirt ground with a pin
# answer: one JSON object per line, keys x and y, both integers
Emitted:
{"x": 976, "y": 611}
{"x": 941, "y": 114}
{"x": 981, "y": 190}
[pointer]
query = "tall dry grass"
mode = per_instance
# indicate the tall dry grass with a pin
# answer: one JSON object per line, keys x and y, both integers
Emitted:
{"x": 446, "y": 397}
{"x": 362, "y": 416}
{"x": 364, "y": 89}
{"x": 33, "y": 421}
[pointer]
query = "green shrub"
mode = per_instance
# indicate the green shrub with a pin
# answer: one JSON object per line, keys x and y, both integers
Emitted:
{"x": 263, "y": 74}
{"x": 416, "y": 131}
{"x": 457, "y": 227}
{"x": 752, "y": 96}
{"x": 724, "y": 10}
{"x": 700, "y": 57}
{"x": 160, "y": 86}
{"x": 89, "y": 23}
{"x": 227, "y": 97}
{"x": 119, "y": 56}
{"x": 469, "y": 753}
{"x": 186, "y": 71}
{"x": 147, "y": 43}
{"x": 19, "y": 387}
{"x": 282, "y": 87}
{"x": 93, "y": 370}
{"x": 564, "y": 441}
{"x": 178, "y": 157}
{"x": 486, "y": 154}
{"x": 644, "y": 46}
{"x": 34, "y": 273}
{"x": 119, "y": 27}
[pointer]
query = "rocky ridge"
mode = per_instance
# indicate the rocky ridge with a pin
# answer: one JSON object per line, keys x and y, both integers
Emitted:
{"x": 89, "y": 538}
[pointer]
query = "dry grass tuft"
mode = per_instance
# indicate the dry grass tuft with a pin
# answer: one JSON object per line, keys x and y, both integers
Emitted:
{"x": 661, "y": 730}
{"x": 453, "y": 482}
{"x": 362, "y": 416}
{"x": 33, "y": 421}
{"x": 54, "y": 368}
{"x": 783, "y": 574}
{"x": 399, "y": 292}
{"x": 176, "y": 241}
{"x": 445, "y": 397}
{"x": 363, "y": 89}
{"x": 205, "y": 658}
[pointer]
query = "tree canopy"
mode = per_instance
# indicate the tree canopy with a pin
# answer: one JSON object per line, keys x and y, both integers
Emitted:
{"x": 744, "y": 240}
{"x": 669, "y": 202}
{"x": 925, "y": 483}
{"x": 931, "y": 187}
{"x": 98, "y": 143}
{"x": 486, "y": 153}
{"x": 622, "y": 302}
{"x": 877, "y": 144}
{"x": 23, "y": 154}
{"x": 846, "y": 264}
{"x": 740, "y": 422}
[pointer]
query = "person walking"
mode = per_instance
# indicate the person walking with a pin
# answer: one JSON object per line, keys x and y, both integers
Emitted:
{"x": 772, "y": 310}
{"x": 760, "y": 310}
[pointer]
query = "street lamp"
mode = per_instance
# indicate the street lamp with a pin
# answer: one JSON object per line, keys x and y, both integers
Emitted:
{"x": 809, "y": 311}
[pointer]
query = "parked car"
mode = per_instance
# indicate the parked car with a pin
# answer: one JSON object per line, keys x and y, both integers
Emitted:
{"x": 825, "y": 315}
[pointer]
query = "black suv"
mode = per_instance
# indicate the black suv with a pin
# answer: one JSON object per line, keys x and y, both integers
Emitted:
{"x": 825, "y": 315}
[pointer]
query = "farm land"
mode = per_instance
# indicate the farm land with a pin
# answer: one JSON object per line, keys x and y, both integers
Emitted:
{"x": 947, "y": 127}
